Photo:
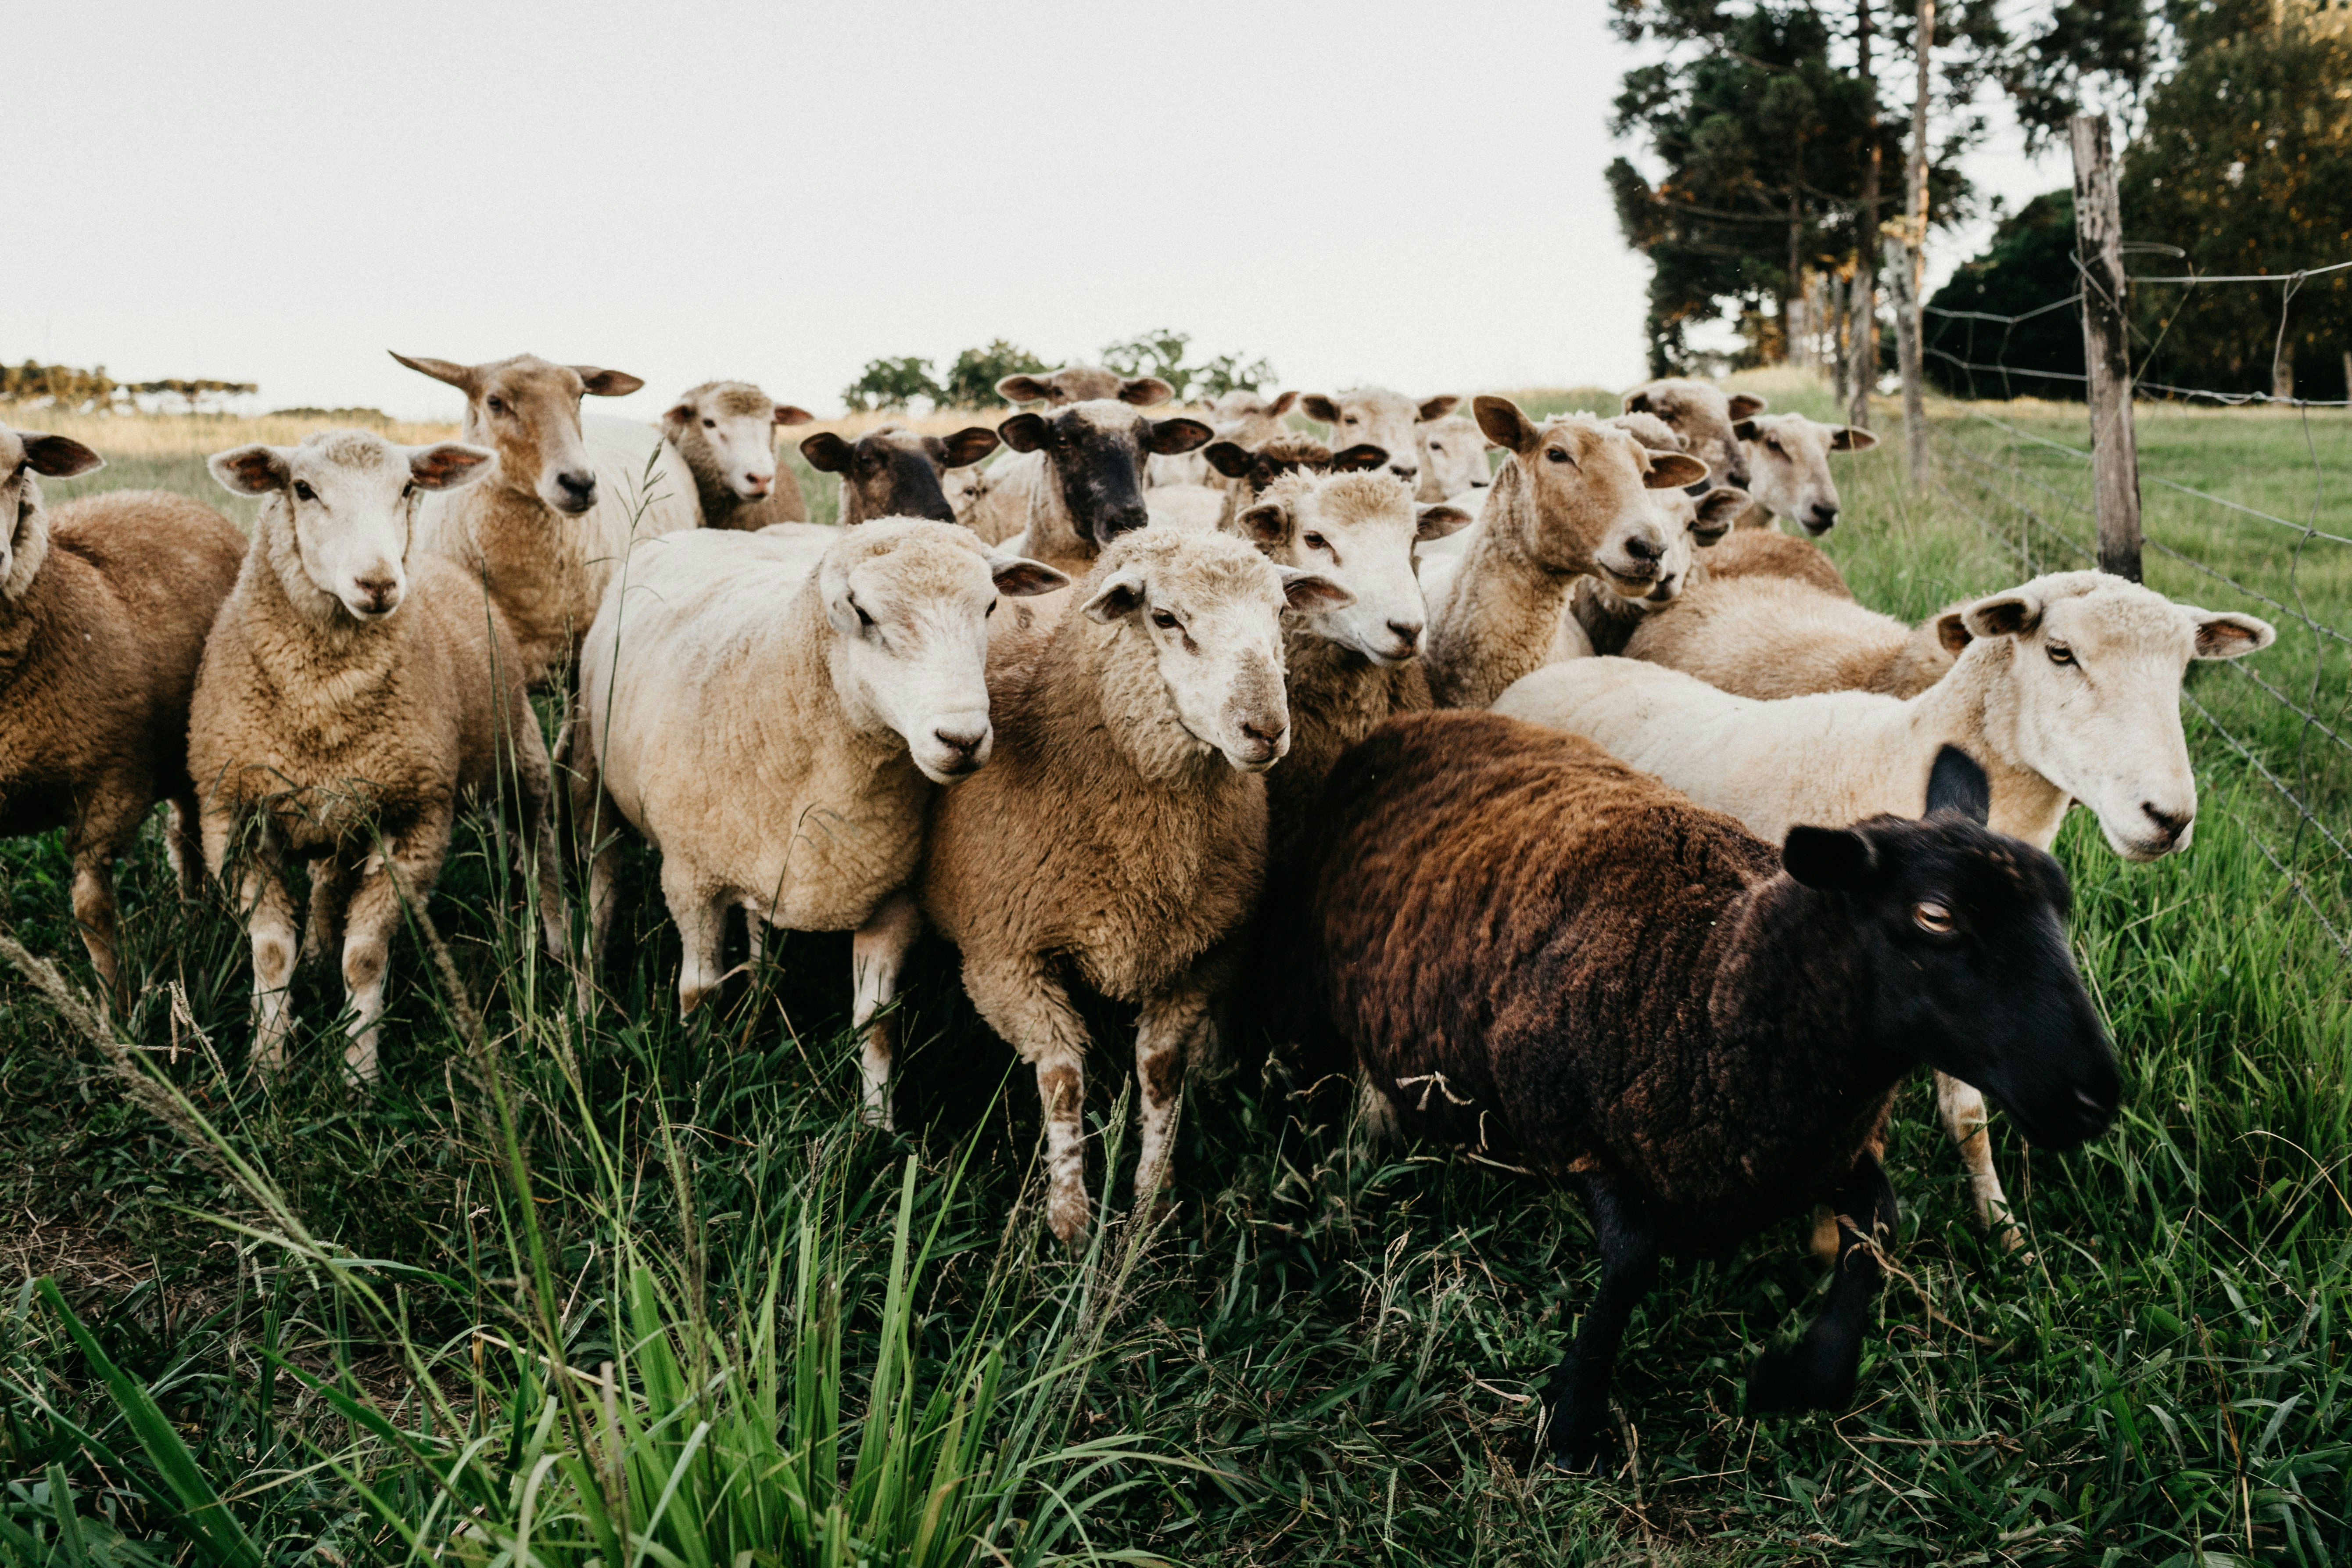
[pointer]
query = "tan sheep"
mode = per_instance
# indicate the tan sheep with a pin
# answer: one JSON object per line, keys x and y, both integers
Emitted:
{"x": 1767, "y": 552}
{"x": 104, "y": 605}
{"x": 1787, "y": 459}
{"x": 1572, "y": 499}
{"x": 1777, "y": 637}
{"x": 1453, "y": 458}
{"x": 354, "y": 695}
{"x": 1387, "y": 419}
{"x": 1119, "y": 837}
{"x": 726, "y": 432}
{"x": 1704, "y": 415}
{"x": 569, "y": 495}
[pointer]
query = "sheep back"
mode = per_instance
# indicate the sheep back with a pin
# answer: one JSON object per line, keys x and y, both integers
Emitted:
{"x": 1766, "y": 637}
{"x": 1768, "y": 552}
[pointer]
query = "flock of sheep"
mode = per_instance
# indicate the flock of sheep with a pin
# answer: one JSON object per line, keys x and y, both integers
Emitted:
{"x": 1577, "y": 815}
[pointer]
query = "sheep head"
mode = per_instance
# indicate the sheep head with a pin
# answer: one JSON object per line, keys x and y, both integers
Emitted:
{"x": 527, "y": 410}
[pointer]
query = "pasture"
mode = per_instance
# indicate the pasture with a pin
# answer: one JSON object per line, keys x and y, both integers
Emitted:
{"x": 377, "y": 1323}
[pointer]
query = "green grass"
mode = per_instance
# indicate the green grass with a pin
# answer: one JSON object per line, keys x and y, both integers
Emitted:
{"x": 333, "y": 1296}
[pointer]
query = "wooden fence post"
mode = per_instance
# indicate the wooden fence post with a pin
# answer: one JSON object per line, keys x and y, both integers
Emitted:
{"x": 2107, "y": 349}
{"x": 1910, "y": 326}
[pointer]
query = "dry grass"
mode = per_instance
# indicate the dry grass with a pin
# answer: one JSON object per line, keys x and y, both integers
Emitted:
{"x": 196, "y": 435}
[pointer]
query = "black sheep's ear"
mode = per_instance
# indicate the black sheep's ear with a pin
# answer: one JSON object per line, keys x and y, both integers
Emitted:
{"x": 1957, "y": 783}
{"x": 1228, "y": 458}
{"x": 826, "y": 451}
{"x": 1834, "y": 860}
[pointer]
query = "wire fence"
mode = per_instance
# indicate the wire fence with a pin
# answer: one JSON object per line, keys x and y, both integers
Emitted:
{"x": 2281, "y": 723}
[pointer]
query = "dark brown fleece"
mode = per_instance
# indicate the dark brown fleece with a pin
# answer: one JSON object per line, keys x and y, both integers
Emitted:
{"x": 1536, "y": 951}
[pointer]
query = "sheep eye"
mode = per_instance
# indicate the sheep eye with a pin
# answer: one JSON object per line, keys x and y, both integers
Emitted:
{"x": 990, "y": 611}
{"x": 496, "y": 405}
{"x": 1347, "y": 419}
{"x": 1315, "y": 541}
{"x": 2061, "y": 654}
{"x": 406, "y": 491}
{"x": 302, "y": 491}
{"x": 862, "y": 618}
{"x": 1163, "y": 620}
{"x": 1557, "y": 456}
{"x": 1933, "y": 918}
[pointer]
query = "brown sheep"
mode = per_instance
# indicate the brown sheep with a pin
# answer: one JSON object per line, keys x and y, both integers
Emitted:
{"x": 1701, "y": 1034}
{"x": 1767, "y": 552}
{"x": 891, "y": 471}
{"x": 1704, "y": 415}
{"x": 726, "y": 432}
{"x": 103, "y": 609}
{"x": 1777, "y": 636}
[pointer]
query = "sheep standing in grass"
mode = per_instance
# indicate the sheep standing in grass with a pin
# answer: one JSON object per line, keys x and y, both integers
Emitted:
{"x": 1004, "y": 501}
{"x": 891, "y": 471}
{"x": 726, "y": 433}
{"x": 1787, "y": 459}
{"x": 553, "y": 521}
{"x": 773, "y": 713}
{"x": 353, "y": 697}
{"x": 104, "y": 605}
{"x": 1386, "y": 419}
{"x": 2068, "y": 691}
{"x": 1572, "y": 499}
{"x": 1119, "y": 837}
{"x": 1698, "y": 1034}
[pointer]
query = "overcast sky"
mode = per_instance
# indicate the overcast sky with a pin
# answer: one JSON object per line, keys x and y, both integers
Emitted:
{"x": 1405, "y": 193}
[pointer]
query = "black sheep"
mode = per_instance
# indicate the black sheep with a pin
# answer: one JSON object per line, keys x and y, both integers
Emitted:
{"x": 1536, "y": 951}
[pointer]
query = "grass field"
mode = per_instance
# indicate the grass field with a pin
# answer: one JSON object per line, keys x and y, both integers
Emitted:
{"x": 375, "y": 1324}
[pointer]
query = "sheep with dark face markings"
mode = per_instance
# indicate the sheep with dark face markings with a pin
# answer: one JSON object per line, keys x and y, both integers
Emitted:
{"x": 1701, "y": 1034}
{"x": 1248, "y": 470}
{"x": 891, "y": 471}
{"x": 726, "y": 432}
{"x": 1004, "y": 501}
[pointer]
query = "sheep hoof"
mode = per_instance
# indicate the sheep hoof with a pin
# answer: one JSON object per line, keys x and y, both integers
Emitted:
{"x": 1067, "y": 1213}
{"x": 875, "y": 1114}
{"x": 1580, "y": 1443}
{"x": 1811, "y": 1374}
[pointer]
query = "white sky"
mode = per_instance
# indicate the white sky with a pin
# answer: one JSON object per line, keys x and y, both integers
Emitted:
{"x": 1366, "y": 191}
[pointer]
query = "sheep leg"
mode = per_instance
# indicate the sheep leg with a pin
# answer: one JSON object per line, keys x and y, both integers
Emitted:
{"x": 332, "y": 878}
{"x": 1965, "y": 1117}
{"x": 877, "y": 953}
{"x": 1576, "y": 1399}
{"x": 1171, "y": 1028}
{"x": 1025, "y": 1004}
{"x": 701, "y": 915}
{"x": 94, "y": 913}
{"x": 184, "y": 845}
{"x": 1818, "y": 1371}
{"x": 401, "y": 870}
{"x": 269, "y": 908}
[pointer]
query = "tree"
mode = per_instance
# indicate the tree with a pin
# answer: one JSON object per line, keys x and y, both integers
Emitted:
{"x": 1160, "y": 354}
{"x": 2088, "y": 56}
{"x": 1226, "y": 373}
{"x": 2029, "y": 265}
{"x": 893, "y": 383}
{"x": 972, "y": 380}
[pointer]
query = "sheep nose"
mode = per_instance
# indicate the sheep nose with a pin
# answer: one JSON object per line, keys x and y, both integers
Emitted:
{"x": 1264, "y": 739}
{"x": 964, "y": 741}
{"x": 1406, "y": 632}
{"x": 1824, "y": 517}
{"x": 1643, "y": 548}
{"x": 2171, "y": 825}
{"x": 758, "y": 483}
{"x": 377, "y": 591}
{"x": 1404, "y": 471}
{"x": 579, "y": 487}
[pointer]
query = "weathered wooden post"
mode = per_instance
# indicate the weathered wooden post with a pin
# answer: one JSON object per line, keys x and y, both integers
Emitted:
{"x": 2107, "y": 348}
{"x": 1863, "y": 376}
{"x": 1910, "y": 324}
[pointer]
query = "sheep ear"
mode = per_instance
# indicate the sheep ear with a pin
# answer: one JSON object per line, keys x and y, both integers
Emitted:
{"x": 841, "y": 611}
{"x": 1267, "y": 524}
{"x": 1638, "y": 402}
{"x": 1170, "y": 436}
{"x": 2229, "y": 636}
{"x": 1022, "y": 578}
{"x": 793, "y": 414}
{"x": 1955, "y": 784}
{"x": 598, "y": 383}
{"x": 1319, "y": 408}
{"x": 1834, "y": 860}
{"x": 254, "y": 470}
{"x": 58, "y": 457}
{"x": 1952, "y": 632}
{"x": 969, "y": 446}
{"x": 1746, "y": 404}
{"x": 1119, "y": 597}
{"x": 826, "y": 452}
{"x": 1309, "y": 592}
{"x": 447, "y": 465}
{"x": 1023, "y": 432}
{"x": 675, "y": 420}
{"x": 1436, "y": 520}
{"x": 1023, "y": 389}
{"x": 2009, "y": 614}
{"x": 1281, "y": 406}
{"x": 1145, "y": 391}
{"x": 1438, "y": 407}
{"x": 1851, "y": 438}
{"x": 1745, "y": 429}
{"x": 1228, "y": 458}
{"x": 1718, "y": 509}
{"x": 1672, "y": 470}
{"x": 1361, "y": 457}
{"x": 1505, "y": 425}
{"x": 460, "y": 376}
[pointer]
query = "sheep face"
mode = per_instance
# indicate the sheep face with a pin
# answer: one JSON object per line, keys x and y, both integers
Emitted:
{"x": 894, "y": 472}
{"x": 1691, "y": 525}
{"x": 1250, "y": 418}
{"x": 1207, "y": 608}
{"x": 1963, "y": 931}
{"x": 1288, "y": 453}
{"x": 1085, "y": 383}
{"x": 726, "y": 430}
{"x": 1387, "y": 419}
{"x": 908, "y": 603}
{"x": 1094, "y": 456}
{"x": 337, "y": 511}
{"x": 23, "y": 454}
{"x": 1591, "y": 484}
{"x": 2090, "y": 696}
{"x": 1452, "y": 457}
{"x": 1357, "y": 531}
{"x": 1704, "y": 417}
{"x": 1789, "y": 465}
{"x": 526, "y": 411}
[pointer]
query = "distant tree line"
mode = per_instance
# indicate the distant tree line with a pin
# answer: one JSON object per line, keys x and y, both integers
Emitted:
{"x": 95, "y": 392}
{"x": 970, "y": 381}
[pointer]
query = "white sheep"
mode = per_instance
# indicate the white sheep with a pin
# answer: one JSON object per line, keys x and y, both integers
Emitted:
{"x": 1453, "y": 458}
{"x": 557, "y": 516}
{"x": 354, "y": 695}
{"x": 773, "y": 713}
{"x": 1787, "y": 459}
{"x": 1246, "y": 419}
{"x": 1118, "y": 840}
{"x": 2070, "y": 690}
{"x": 726, "y": 432}
{"x": 1386, "y": 419}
